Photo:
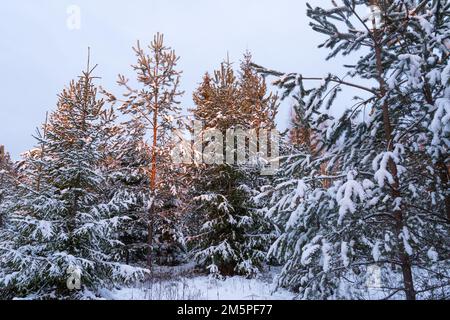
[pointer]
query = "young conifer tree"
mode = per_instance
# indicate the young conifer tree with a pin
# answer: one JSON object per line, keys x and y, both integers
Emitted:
{"x": 385, "y": 207}
{"x": 233, "y": 237}
{"x": 60, "y": 239}
{"x": 155, "y": 107}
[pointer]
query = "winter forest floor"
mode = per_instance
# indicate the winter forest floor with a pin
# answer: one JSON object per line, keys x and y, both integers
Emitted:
{"x": 181, "y": 283}
{"x": 186, "y": 283}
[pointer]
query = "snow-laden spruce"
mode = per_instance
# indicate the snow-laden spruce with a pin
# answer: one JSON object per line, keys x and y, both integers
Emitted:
{"x": 61, "y": 230}
{"x": 234, "y": 237}
{"x": 231, "y": 236}
{"x": 128, "y": 188}
{"x": 370, "y": 190}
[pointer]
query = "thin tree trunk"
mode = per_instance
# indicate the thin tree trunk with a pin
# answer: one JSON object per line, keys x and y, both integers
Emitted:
{"x": 38, "y": 184}
{"x": 2, "y": 151}
{"x": 443, "y": 175}
{"x": 153, "y": 179}
{"x": 1, "y": 198}
{"x": 152, "y": 193}
{"x": 398, "y": 213}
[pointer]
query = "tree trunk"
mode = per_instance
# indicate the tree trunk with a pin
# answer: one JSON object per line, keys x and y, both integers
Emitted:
{"x": 1, "y": 216}
{"x": 443, "y": 175}
{"x": 1, "y": 183}
{"x": 153, "y": 185}
{"x": 398, "y": 213}
{"x": 38, "y": 184}
{"x": 151, "y": 222}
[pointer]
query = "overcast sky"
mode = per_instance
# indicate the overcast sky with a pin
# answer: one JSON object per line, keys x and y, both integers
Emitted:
{"x": 40, "y": 54}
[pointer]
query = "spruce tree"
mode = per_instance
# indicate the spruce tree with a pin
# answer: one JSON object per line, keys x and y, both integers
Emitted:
{"x": 233, "y": 237}
{"x": 61, "y": 238}
{"x": 128, "y": 188}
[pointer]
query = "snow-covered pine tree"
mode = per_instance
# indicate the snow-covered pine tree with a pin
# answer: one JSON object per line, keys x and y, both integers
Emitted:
{"x": 385, "y": 211}
{"x": 156, "y": 107}
{"x": 233, "y": 237}
{"x": 62, "y": 237}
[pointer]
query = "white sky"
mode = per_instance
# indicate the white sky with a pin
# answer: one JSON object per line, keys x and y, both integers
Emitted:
{"x": 40, "y": 54}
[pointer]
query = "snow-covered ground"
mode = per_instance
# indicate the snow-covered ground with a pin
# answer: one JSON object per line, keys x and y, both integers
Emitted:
{"x": 180, "y": 285}
{"x": 186, "y": 283}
